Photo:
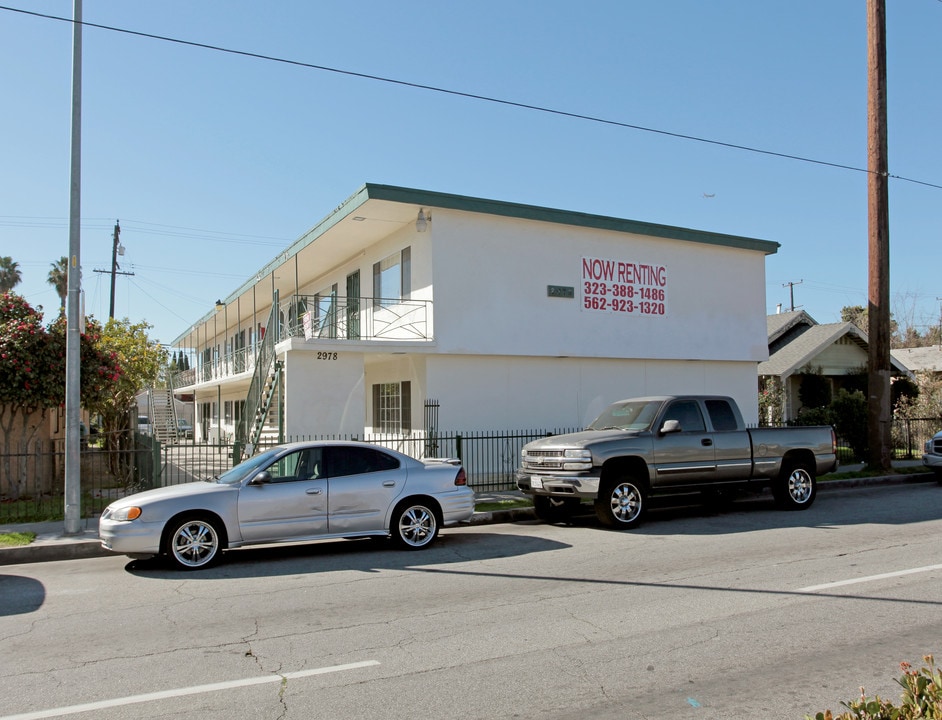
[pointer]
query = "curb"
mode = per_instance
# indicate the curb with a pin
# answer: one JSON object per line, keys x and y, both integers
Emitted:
{"x": 50, "y": 547}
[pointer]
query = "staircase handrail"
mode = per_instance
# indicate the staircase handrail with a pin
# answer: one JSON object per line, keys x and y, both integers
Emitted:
{"x": 264, "y": 363}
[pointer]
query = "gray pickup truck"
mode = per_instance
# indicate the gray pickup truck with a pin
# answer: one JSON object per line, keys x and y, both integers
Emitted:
{"x": 671, "y": 445}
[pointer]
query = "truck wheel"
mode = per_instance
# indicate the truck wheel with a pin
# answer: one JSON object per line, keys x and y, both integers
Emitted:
{"x": 554, "y": 510}
{"x": 796, "y": 487}
{"x": 621, "y": 504}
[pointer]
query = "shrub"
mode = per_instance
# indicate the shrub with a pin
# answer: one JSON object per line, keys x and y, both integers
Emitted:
{"x": 849, "y": 413}
{"x": 921, "y": 698}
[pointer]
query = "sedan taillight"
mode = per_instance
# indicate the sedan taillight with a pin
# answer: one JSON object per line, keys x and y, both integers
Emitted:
{"x": 461, "y": 478}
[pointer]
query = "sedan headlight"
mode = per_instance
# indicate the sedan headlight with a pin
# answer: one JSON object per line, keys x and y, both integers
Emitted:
{"x": 132, "y": 512}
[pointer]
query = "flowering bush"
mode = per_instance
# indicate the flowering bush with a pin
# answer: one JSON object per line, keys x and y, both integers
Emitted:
{"x": 921, "y": 698}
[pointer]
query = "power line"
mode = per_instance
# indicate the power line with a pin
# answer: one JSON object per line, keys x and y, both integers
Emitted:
{"x": 469, "y": 95}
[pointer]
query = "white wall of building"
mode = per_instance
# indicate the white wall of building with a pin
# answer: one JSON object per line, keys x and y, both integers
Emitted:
{"x": 492, "y": 274}
{"x": 481, "y": 393}
{"x": 325, "y": 393}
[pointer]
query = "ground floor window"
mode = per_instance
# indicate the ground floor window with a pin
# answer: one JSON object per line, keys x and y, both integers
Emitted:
{"x": 392, "y": 407}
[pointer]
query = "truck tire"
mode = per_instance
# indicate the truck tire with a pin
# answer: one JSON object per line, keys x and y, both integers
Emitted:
{"x": 554, "y": 510}
{"x": 796, "y": 487}
{"x": 621, "y": 504}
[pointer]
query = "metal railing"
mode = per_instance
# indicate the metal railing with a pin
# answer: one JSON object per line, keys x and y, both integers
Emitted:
{"x": 32, "y": 479}
{"x": 315, "y": 317}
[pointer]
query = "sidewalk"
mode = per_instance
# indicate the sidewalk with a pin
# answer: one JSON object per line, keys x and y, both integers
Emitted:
{"x": 52, "y": 543}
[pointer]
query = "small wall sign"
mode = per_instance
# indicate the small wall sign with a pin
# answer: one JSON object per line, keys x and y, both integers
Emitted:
{"x": 560, "y": 291}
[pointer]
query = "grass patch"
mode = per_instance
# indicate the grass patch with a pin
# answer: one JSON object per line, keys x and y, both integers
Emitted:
{"x": 853, "y": 474}
{"x": 16, "y": 539}
{"x": 508, "y": 504}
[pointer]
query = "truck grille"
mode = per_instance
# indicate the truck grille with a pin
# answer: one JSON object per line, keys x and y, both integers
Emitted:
{"x": 937, "y": 446}
{"x": 544, "y": 460}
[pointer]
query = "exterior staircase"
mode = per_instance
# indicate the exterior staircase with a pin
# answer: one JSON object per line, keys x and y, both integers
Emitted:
{"x": 261, "y": 421}
{"x": 163, "y": 414}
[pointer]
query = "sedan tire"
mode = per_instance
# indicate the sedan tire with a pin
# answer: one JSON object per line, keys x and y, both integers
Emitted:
{"x": 414, "y": 525}
{"x": 193, "y": 542}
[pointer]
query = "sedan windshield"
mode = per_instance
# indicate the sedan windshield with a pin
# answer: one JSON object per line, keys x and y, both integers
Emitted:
{"x": 629, "y": 415}
{"x": 251, "y": 466}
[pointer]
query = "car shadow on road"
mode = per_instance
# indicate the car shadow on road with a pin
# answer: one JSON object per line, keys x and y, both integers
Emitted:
{"x": 747, "y": 512}
{"x": 368, "y": 555}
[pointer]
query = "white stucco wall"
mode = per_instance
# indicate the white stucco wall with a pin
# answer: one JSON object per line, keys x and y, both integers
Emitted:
{"x": 482, "y": 393}
{"x": 325, "y": 395}
{"x": 491, "y": 277}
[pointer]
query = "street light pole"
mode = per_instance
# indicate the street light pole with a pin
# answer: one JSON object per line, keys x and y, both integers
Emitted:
{"x": 73, "y": 338}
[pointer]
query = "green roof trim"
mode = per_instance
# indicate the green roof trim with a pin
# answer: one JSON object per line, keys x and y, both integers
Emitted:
{"x": 562, "y": 217}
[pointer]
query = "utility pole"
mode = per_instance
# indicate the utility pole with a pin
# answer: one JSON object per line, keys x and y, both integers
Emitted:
{"x": 878, "y": 221}
{"x": 116, "y": 249}
{"x": 114, "y": 265}
{"x": 791, "y": 292}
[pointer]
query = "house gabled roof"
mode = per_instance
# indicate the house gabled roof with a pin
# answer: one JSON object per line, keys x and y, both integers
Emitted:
{"x": 783, "y": 328}
{"x": 920, "y": 358}
{"x": 808, "y": 345}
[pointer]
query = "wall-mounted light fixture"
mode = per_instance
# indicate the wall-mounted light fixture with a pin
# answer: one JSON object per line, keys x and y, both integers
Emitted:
{"x": 421, "y": 222}
{"x": 220, "y": 304}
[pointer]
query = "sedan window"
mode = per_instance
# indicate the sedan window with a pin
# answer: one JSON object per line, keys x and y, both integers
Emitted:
{"x": 349, "y": 460}
{"x": 300, "y": 465}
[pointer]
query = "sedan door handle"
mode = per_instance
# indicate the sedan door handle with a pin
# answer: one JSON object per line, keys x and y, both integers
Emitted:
{"x": 313, "y": 491}
{"x": 706, "y": 442}
{"x": 389, "y": 483}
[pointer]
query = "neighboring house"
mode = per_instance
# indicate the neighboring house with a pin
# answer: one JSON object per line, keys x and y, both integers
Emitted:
{"x": 798, "y": 345}
{"x": 405, "y": 310}
{"x": 921, "y": 359}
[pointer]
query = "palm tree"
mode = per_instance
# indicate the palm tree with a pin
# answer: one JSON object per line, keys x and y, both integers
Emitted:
{"x": 59, "y": 279}
{"x": 10, "y": 275}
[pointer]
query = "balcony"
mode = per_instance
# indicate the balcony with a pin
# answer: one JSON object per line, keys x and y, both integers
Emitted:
{"x": 313, "y": 318}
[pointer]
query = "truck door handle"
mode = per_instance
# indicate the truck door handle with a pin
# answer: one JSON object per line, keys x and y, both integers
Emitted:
{"x": 313, "y": 491}
{"x": 706, "y": 442}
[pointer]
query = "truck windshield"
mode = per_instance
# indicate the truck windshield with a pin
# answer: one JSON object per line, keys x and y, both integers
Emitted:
{"x": 629, "y": 415}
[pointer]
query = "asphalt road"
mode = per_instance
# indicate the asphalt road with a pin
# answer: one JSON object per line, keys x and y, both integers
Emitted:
{"x": 748, "y": 613}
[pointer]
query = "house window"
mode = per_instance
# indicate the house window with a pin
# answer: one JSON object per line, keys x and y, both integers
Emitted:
{"x": 227, "y": 411}
{"x": 392, "y": 407}
{"x": 392, "y": 278}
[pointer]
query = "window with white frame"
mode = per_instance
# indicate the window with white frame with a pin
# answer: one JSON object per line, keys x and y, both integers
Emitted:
{"x": 392, "y": 278}
{"x": 392, "y": 407}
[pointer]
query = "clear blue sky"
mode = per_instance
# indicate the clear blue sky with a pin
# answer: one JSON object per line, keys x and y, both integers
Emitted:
{"x": 214, "y": 162}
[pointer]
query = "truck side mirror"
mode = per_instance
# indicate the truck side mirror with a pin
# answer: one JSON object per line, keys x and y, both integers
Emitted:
{"x": 670, "y": 426}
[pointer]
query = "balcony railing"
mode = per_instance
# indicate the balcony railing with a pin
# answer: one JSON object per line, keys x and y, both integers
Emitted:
{"x": 317, "y": 317}
{"x": 355, "y": 318}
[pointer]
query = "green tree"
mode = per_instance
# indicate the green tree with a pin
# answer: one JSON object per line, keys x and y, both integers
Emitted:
{"x": 141, "y": 361}
{"x": 856, "y": 314}
{"x": 32, "y": 370}
{"x": 10, "y": 275}
{"x": 59, "y": 279}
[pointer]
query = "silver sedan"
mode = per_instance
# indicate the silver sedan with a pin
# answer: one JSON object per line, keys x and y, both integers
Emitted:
{"x": 294, "y": 492}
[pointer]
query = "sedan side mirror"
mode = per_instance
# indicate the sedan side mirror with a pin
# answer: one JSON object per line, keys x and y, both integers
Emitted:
{"x": 263, "y": 478}
{"x": 670, "y": 426}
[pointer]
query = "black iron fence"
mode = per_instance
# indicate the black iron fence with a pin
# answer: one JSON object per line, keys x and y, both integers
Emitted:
{"x": 32, "y": 479}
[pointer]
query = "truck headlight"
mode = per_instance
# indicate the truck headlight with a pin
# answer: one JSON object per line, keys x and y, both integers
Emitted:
{"x": 577, "y": 459}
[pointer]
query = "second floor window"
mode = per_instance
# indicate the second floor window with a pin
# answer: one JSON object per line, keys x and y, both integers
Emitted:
{"x": 392, "y": 278}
